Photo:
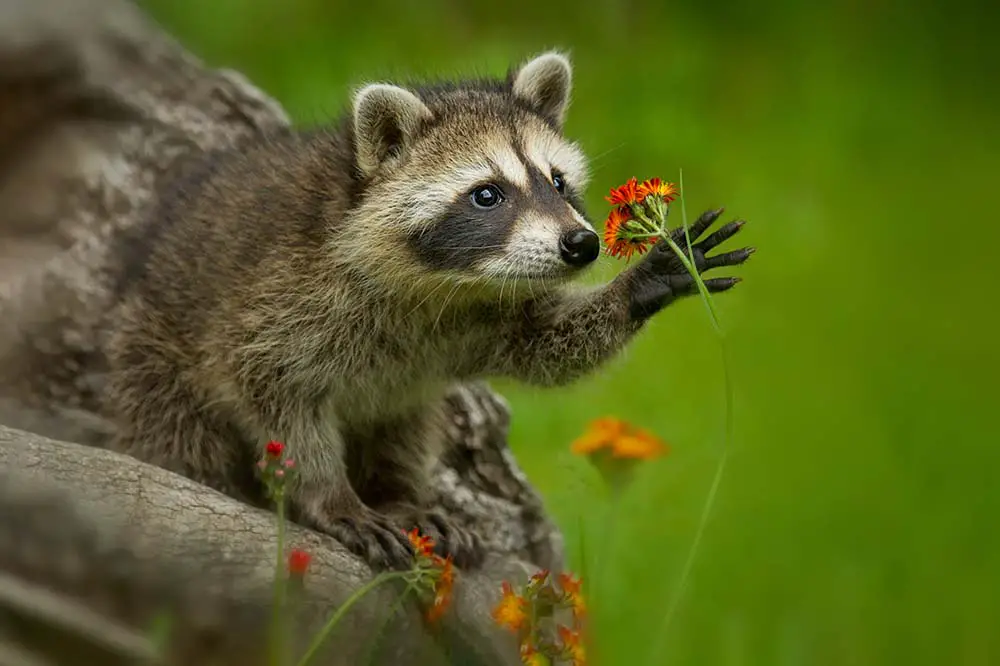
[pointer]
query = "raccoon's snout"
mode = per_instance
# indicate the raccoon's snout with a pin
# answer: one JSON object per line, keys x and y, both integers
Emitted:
{"x": 579, "y": 247}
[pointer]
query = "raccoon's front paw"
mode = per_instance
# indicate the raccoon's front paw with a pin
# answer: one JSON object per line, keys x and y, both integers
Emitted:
{"x": 370, "y": 535}
{"x": 464, "y": 546}
{"x": 661, "y": 278}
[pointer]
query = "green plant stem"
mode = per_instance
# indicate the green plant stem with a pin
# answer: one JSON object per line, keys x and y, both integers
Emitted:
{"x": 410, "y": 587}
{"x": 324, "y": 633}
{"x": 277, "y": 612}
{"x": 720, "y": 468}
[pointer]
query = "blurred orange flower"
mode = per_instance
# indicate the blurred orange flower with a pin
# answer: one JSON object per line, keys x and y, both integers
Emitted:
{"x": 572, "y": 588}
{"x": 614, "y": 435}
{"x": 442, "y": 589}
{"x": 423, "y": 546}
{"x": 573, "y": 646}
{"x": 511, "y": 611}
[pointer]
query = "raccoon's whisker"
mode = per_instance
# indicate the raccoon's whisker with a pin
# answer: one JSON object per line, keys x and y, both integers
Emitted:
{"x": 473, "y": 247}
{"x": 509, "y": 269}
{"x": 444, "y": 306}
{"x": 594, "y": 160}
{"x": 423, "y": 300}
{"x": 513, "y": 284}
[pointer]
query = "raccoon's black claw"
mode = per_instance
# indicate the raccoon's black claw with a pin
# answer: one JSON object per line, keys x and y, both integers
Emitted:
{"x": 662, "y": 278}
{"x": 464, "y": 546}
{"x": 703, "y": 222}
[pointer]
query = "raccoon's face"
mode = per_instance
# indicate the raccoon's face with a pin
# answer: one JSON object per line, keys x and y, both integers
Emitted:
{"x": 475, "y": 183}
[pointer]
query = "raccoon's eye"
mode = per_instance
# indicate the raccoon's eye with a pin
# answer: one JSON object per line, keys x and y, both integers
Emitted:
{"x": 558, "y": 182}
{"x": 487, "y": 196}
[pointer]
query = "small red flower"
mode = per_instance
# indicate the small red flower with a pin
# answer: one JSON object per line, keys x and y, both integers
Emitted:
{"x": 298, "y": 562}
{"x": 274, "y": 449}
{"x": 624, "y": 195}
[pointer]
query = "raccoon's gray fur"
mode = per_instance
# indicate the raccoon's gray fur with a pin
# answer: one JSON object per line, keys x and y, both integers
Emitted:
{"x": 325, "y": 288}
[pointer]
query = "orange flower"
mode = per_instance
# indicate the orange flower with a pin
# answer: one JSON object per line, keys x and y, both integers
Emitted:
{"x": 600, "y": 434}
{"x": 572, "y": 646}
{"x": 442, "y": 589}
{"x": 622, "y": 440}
{"x": 571, "y": 588}
{"x": 641, "y": 446}
{"x": 423, "y": 546}
{"x": 530, "y": 656}
{"x": 510, "y": 612}
{"x": 569, "y": 584}
{"x": 616, "y": 238}
{"x": 656, "y": 187}
{"x": 538, "y": 579}
{"x": 624, "y": 195}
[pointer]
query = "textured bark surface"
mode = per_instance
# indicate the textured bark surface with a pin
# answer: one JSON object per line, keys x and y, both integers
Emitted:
{"x": 98, "y": 108}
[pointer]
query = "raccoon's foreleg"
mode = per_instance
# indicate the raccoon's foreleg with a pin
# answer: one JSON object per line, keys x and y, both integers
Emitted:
{"x": 568, "y": 335}
{"x": 321, "y": 495}
{"x": 390, "y": 465}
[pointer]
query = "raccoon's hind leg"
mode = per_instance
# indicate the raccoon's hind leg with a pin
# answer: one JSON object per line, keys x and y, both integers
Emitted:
{"x": 390, "y": 466}
{"x": 159, "y": 420}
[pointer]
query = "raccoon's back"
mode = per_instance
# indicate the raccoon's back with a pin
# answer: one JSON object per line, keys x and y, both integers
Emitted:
{"x": 233, "y": 223}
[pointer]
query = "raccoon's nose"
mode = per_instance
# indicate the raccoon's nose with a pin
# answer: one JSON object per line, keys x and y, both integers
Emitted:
{"x": 579, "y": 247}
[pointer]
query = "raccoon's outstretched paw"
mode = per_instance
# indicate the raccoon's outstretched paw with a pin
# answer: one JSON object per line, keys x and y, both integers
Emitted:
{"x": 372, "y": 536}
{"x": 662, "y": 277}
{"x": 465, "y": 547}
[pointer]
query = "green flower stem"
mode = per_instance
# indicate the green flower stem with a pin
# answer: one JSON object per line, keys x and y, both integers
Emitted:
{"x": 277, "y": 619}
{"x": 324, "y": 633}
{"x": 720, "y": 468}
{"x": 411, "y": 587}
{"x": 697, "y": 278}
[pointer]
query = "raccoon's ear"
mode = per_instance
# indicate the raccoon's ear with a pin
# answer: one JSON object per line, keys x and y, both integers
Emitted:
{"x": 386, "y": 119}
{"x": 545, "y": 83}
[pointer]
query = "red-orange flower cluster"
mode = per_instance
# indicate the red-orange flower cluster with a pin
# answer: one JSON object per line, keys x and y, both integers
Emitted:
{"x": 422, "y": 545}
{"x": 437, "y": 571}
{"x": 618, "y": 243}
{"x": 624, "y": 233}
{"x": 443, "y": 588}
{"x": 512, "y": 610}
{"x": 527, "y": 614}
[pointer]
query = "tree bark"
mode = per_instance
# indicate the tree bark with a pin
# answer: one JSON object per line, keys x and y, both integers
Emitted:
{"x": 98, "y": 108}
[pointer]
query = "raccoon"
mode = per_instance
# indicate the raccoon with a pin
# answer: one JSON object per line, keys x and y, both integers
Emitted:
{"x": 324, "y": 288}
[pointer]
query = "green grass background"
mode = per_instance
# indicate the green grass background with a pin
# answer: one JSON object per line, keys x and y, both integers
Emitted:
{"x": 857, "y": 522}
